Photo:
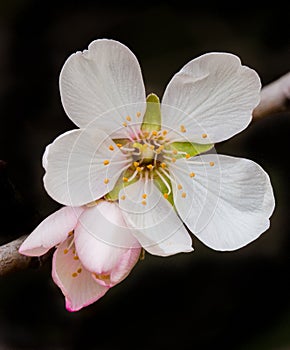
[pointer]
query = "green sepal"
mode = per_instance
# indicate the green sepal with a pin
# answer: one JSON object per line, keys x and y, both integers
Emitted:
{"x": 193, "y": 149}
{"x": 120, "y": 184}
{"x": 152, "y": 116}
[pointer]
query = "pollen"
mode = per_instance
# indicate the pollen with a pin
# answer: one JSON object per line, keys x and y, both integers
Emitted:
{"x": 106, "y": 162}
{"x": 139, "y": 169}
{"x": 79, "y": 270}
{"x": 138, "y": 114}
{"x": 187, "y": 155}
{"x": 211, "y": 163}
{"x": 106, "y": 181}
{"x": 182, "y": 128}
{"x": 165, "y": 195}
{"x": 111, "y": 148}
{"x": 179, "y": 187}
{"x": 76, "y": 257}
{"x": 163, "y": 165}
{"x": 204, "y": 136}
{"x": 65, "y": 251}
{"x": 164, "y": 132}
{"x": 123, "y": 197}
{"x": 144, "y": 195}
{"x": 150, "y": 166}
{"x": 74, "y": 274}
{"x": 125, "y": 124}
{"x": 136, "y": 164}
{"x": 154, "y": 133}
{"x": 144, "y": 202}
{"x": 183, "y": 194}
{"x": 125, "y": 179}
{"x": 128, "y": 118}
{"x": 152, "y": 147}
{"x": 119, "y": 145}
{"x": 192, "y": 174}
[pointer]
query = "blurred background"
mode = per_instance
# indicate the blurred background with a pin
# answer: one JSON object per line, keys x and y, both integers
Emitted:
{"x": 203, "y": 300}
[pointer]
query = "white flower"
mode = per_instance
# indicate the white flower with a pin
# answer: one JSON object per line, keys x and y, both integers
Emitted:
{"x": 148, "y": 155}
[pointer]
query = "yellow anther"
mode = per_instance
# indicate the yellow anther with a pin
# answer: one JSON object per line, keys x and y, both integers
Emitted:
{"x": 123, "y": 197}
{"x": 163, "y": 165}
{"x": 111, "y": 148}
{"x": 119, "y": 145}
{"x": 74, "y": 274}
{"x": 106, "y": 162}
{"x": 164, "y": 132}
{"x": 179, "y": 187}
{"x": 204, "y": 136}
{"x": 150, "y": 166}
{"x": 175, "y": 151}
{"x": 136, "y": 164}
{"x": 125, "y": 124}
{"x": 76, "y": 257}
{"x": 182, "y": 128}
{"x": 211, "y": 163}
{"x": 128, "y": 118}
{"x": 183, "y": 194}
{"x": 161, "y": 147}
{"x": 70, "y": 233}
{"x": 102, "y": 276}
{"x": 138, "y": 114}
{"x": 187, "y": 155}
{"x": 65, "y": 251}
{"x": 145, "y": 134}
{"x": 154, "y": 133}
{"x": 165, "y": 195}
{"x": 139, "y": 169}
{"x": 144, "y": 195}
{"x": 151, "y": 147}
{"x": 79, "y": 270}
{"x": 192, "y": 174}
{"x": 173, "y": 160}
{"x": 106, "y": 181}
{"x": 144, "y": 202}
{"x": 125, "y": 179}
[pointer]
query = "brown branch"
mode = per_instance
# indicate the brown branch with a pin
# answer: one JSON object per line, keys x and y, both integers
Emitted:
{"x": 275, "y": 98}
{"x": 11, "y": 260}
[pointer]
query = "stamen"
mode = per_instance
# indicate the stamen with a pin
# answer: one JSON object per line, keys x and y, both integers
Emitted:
{"x": 149, "y": 166}
{"x": 119, "y": 145}
{"x": 74, "y": 274}
{"x": 179, "y": 187}
{"x": 164, "y": 132}
{"x": 204, "y": 136}
{"x": 175, "y": 151}
{"x": 125, "y": 124}
{"x": 136, "y": 164}
{"x": 76, "y": 257}
{"x": 144, "y": 195}
{"x": 163, "y": 165}
{"x": 132, "y": 177}
{"x": 182, "y": 128}
{"x": 187, "y": 156}
{"x": 154, "y": 133}
{"x": 125, "y": 179}
{"x": 165, "y": 182}
{"x": 183, "y": 194}
{"x": 138, "y": 114}
{"x": 106, "y": 181}
{"x": 165, "y": 195}
{"x": 144, "y": 202}
{"x": 211, "y": 163}
{"x": 128, "y": 118}
{"x": 79, "y": 270}
{"x": 192, "y": 174}
{"x": 65, "y": 251}
{"x": 123, "y": 197}
{"x": 106, "y": 162}
{"x": 111, "y": 148}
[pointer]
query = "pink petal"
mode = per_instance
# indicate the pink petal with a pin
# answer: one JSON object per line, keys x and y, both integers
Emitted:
{"x": 75, "y": 282}
{"x": 51, "y": 231}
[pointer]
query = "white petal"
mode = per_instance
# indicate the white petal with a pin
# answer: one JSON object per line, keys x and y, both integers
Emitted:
{"x": 158, "y": 228}
{"x": 78, "y": 286}
{"x": 102, "y": 237}
{"x": 210, "y": 99}
{"x": 105, "y": 79}
{"x": 75, "y": 169}
{"x": 227, "y": 205}
{"x": 51, "y": 231}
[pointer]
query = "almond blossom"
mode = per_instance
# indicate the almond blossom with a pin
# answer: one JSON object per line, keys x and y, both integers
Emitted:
{"x": 84, "y": 267}
{"x": 156, "y": 159}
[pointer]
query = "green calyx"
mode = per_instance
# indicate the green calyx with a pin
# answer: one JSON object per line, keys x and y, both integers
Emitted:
{"x": 152, "y": 116}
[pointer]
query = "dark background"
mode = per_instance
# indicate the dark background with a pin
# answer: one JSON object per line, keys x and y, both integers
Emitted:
{"x": 203, "y": 300}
